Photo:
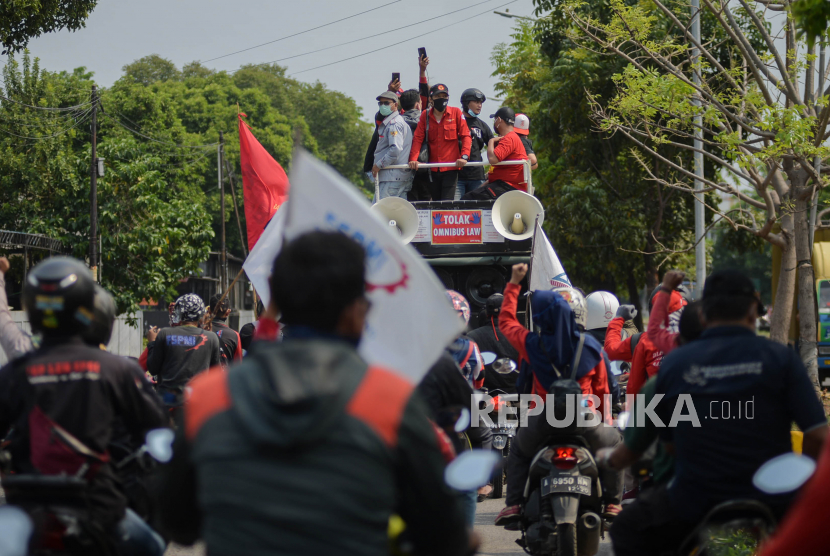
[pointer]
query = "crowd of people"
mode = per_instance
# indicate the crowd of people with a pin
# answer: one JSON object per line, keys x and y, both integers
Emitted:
{"x": 418, "y": 126}
{"x": 288, "y": 442}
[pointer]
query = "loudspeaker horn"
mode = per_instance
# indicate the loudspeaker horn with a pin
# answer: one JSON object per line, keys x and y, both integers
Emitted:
{"x": 400, "y": 214}
{"x": 517, "y": 210}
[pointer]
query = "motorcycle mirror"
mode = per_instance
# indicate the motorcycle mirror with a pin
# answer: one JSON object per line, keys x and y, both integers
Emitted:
{"x": 159, "y": 444}
{"x": 471, "y": 469}
{"x": 504, "y": 366}
{"x": 463, "y": 422}
{"x": 784, "y": 473}
{"x": 488, "y": 357}
{"x": 622, "y": 420}
{"x": 15, "y": 530}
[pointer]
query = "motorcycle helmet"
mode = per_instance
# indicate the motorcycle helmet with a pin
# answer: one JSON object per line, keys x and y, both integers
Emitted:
{"x": 189, "y": 308}
{"x": 59, "y": 297}
{"x": 602, "y": 306}
{"x": 103, "y": 319}
{"x": 460, "y": 304}
{"x": 577, "y": 303}
{"x": 493, "y": 305}
{"x": 471, "y": 94}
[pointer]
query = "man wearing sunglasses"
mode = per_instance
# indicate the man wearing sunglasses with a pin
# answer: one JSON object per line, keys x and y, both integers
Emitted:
{"x": 394, "y": 142}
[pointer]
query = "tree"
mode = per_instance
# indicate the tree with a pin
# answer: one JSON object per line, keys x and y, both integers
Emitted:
{"x": 21, "y": 20}
{"x": 605, "y": 217}
{"x": 764, "y": 121}
{"x": 151, "y": 216}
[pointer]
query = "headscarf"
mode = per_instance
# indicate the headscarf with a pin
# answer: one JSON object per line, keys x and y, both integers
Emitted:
{"x": 189, "y": 308}
{"x": 559, "y": 335}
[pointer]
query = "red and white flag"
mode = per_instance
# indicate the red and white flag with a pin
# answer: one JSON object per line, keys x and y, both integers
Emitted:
{"x": 264, "y": 183}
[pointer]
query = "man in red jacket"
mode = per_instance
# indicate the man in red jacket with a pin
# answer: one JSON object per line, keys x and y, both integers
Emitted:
{"x": 639, "y": 350}
{"x": 447, "y": 127}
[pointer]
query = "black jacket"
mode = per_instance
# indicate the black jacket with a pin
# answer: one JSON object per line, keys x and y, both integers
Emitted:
{"x": 369, "y": 159}
{"x": 304, "y": 449}
{"x": 490, "y": 338}
{"x": 85, "y": 391}
{"x": 229, "y": 340}
{"x": 180, "y": 353}
{"x": 481, "y": 134}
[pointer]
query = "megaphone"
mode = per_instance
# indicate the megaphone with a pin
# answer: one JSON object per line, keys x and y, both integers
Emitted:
{"x": 400, "y": 214}
{"x": 514, "y": 215}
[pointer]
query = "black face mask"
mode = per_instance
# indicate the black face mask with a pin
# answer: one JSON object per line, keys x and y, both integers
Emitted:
{"x": 440, "y": 104}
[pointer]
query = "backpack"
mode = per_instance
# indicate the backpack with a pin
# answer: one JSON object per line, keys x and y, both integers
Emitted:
{"x": 562, "y": 388}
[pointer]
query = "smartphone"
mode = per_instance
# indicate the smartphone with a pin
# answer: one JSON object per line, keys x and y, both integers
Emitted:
{"x": 422, "y": 52}
{"x": 396, "y": 77}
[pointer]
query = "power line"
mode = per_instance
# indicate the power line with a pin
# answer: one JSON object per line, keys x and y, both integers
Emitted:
{"x": 81, "y": 120}
{"x": 300, "y": 33}
{"x": 47, "y": 108}
{"x": 140, "y": 134}
{"x": 398, "y": 42}
{"x": 363, "y": 38}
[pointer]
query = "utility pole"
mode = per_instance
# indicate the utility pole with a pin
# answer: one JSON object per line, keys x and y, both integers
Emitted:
{"x": 700, "y": 220}
{"x": 93, "y": 190}
{"x": 223, "y": 278}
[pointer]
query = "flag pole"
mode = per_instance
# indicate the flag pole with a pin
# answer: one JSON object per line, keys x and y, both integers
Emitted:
{"x": 530, "y": 269}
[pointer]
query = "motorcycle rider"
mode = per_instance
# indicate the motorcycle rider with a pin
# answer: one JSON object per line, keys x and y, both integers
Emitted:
{"x": 490, "y": 338}
{"x": 229, "y": 339}
{"x": 717, "y": 453}
{"x": 557, "y": 343}
{"x": 67, "y": 393}
{"x": 472, "y": 177}
{"x": 178, "y": 354}
{"x": 639, "y": 350}
{"x": 304, "y": 448}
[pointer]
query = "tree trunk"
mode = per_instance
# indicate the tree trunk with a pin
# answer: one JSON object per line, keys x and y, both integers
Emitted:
{"x": 807, "y": 332}
{"x": 783, "y": 304}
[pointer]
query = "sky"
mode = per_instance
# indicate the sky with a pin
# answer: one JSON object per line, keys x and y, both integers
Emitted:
{"x": 121, "y": 31}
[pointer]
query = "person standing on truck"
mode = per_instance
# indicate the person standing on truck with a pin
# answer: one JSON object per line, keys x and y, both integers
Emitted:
{"x": 472, "y": 177}
{"x": 447, "y": 130}
{"x": 394, "y": 143}
{"x": 522, "y": 128}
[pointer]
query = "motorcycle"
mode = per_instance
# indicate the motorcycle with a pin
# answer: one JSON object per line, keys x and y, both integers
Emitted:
{"x": 562, "y": 501}
{"x": 503, "y": 433}
{"x": 505, "y": 429}
{"x": 58, "y": 506}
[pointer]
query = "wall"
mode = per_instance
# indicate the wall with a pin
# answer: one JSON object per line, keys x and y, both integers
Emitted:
{"x": 126, "y": 340}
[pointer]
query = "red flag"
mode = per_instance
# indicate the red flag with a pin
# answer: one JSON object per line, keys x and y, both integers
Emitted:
{"x": 264, "y": 183}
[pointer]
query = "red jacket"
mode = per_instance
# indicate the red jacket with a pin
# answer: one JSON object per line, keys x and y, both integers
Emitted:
{"x": 645, "y": 361}
{"x": 595, "y": 382}
{"x": 443, "y": 137}
{"x": 658, "y": 323}
{"x": 803, "y": 530}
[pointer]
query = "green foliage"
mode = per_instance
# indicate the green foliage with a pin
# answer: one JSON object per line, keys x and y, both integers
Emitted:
{"x": 612, "y": 226}
{"x": 158, "y": 131}
{"x": 812, "y": 17}
{"x": 21, "y": 20}
{"x": 741, "y": 251}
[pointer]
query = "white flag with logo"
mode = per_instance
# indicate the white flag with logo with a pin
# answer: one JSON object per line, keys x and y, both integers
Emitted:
{"x": 261, "y": 258}
{"x": 546, "y": 272}
{"x": 411, "y": 320}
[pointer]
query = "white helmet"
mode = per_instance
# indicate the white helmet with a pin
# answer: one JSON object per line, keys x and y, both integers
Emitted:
{"x": 602, "y": 306}
{"x": 577, "y": 303}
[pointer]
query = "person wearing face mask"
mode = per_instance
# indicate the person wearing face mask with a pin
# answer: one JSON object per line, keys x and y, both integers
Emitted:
{"x": 507, "y": 146}
{"x": 472, "y": 177}
{"x": 394, "y": 142}
{"x": 448, "y": 141}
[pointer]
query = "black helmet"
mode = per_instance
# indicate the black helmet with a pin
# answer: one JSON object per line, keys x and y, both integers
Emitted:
{"x": 58, "y": 297}
{"x": 493, "y": 305}
{"x": 103, "y": 318}
{"x": 472, "y": 94}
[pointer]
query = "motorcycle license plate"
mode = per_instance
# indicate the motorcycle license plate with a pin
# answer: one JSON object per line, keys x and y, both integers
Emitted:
{"x": 569, "y": 485}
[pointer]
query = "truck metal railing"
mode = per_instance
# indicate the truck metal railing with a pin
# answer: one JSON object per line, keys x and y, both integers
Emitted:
{"x": 524, "y": 163}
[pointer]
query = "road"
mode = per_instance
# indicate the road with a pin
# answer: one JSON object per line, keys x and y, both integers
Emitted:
{"x": 494, "y": 540}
